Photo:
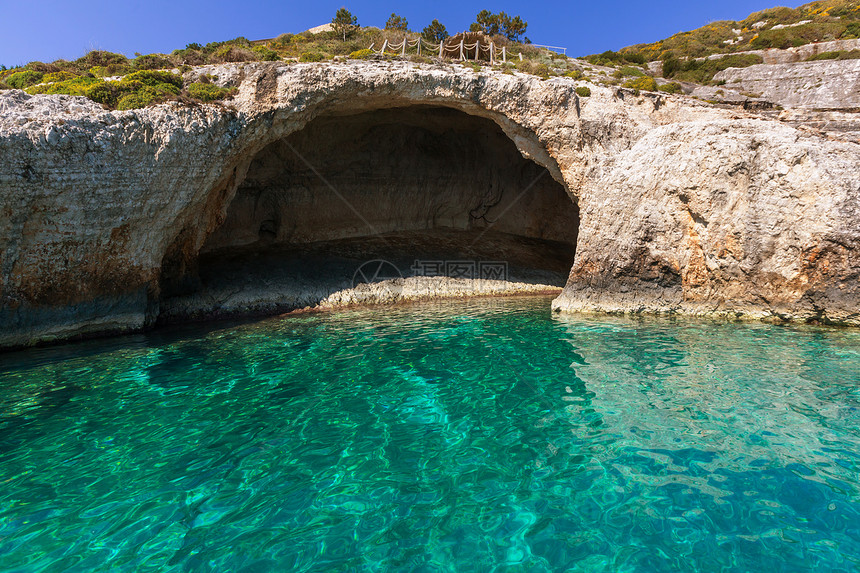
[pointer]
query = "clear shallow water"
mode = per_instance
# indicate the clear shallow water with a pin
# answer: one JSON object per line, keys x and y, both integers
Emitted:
{"x": 478, "y": 436}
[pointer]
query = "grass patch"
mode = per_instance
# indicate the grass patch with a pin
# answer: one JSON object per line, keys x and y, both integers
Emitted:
{"x": 703, "y": 71}
{"x": 840, "y": 55}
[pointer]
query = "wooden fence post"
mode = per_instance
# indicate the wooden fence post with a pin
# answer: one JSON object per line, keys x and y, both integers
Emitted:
{"x": 462, "y": 54}
{"x": 441, "y": 48}
{"x": 492, "y": 54}
{"x": 384, "y": 44}
{"x": 504, "y": 56}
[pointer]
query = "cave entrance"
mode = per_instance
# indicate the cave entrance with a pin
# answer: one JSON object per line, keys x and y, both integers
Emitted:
{"x": 426, "y": 190}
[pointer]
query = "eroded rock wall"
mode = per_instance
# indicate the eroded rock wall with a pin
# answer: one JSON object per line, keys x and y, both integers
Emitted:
{"x": 397, "y": 170}
{"x": 823, "y": 84}
{"x": 735, "y": 218}
{"x": 684, "y": 207}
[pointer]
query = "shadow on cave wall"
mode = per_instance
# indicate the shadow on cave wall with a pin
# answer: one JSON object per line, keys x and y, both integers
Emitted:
{"x": 430, "y": 190}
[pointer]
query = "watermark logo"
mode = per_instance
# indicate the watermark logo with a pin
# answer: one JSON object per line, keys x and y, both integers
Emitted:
{"x": 481, "y": 270}
{"x": 375, "y": 271}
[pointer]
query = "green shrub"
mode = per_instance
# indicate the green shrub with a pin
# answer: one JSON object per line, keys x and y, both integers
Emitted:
{"x": 575, "y": 74}
{"x": 101, "y": 58}
{"x": 207, "y": 92}
{"x": 583, "y": 91}
{"x": 671, "y": 88}
{"x": 25, "y": 79}
{"x": 152, "y": 62}
{"x": 232, "y": 53}
{"x": 76, "y": 86}
{"x": 525, "y": 66}
{"x": 129, "y": 86}
{"x": 542, "y": 71}
{"x": 311, "y": 57}
{"x": 99, "y": 71}
{"x": 645, "y": 83}
{"x": 362, "y": 54}
{"x": 143, "y": 88}
{"x": 266, "y": 54}
{"x": 144, "y": 97}
{"x": 154, "y": 78}
{"x": 4, "y": 86}
{"x": 610, "y": 58}
{"x": 703, "y": 71}
{"x": 628, "y": 71}
{"x": 189, "y": 57}
{"x": 282, "y": 41}
{"x": 58, "y": 77}
{"x": 43, "y": 67}
{"x": 138, "y": 89}
{"x": 102, "y": 92}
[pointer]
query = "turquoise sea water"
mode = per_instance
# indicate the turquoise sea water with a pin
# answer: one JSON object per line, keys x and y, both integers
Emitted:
{"x": 480, "y": 436}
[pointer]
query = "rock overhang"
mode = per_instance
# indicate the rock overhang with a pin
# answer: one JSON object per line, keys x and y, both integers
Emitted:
{"x": 86, "y": 193}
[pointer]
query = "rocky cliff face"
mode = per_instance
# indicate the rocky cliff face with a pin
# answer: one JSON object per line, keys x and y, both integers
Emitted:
{"x": 825, "y": 84}
{"x": 680, "y": 206}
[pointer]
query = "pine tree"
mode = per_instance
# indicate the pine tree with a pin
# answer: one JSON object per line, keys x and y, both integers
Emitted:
{"x": 396, "y": 22}
{"x": 491, "y": 24}
{"x": 344, "y": 23}
{"x": 435, "y": 32}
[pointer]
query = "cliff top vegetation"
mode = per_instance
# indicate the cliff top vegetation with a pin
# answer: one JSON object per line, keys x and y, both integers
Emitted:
{"x": 121, "y": 82}
{"x": 778, "y": 27}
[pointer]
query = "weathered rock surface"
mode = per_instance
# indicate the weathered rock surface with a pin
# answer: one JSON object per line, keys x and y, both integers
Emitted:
{"x": 683, "y": 207}
{"x": 840, "y": 124}
{"x": 823, "y": 84}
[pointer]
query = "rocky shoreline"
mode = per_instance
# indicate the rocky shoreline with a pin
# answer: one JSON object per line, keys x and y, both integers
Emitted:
{"x": 681, "y": 206}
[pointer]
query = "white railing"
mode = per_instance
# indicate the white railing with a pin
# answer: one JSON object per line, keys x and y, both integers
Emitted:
{"x": 466, "y": 51}
{"x": 563, "y": 50}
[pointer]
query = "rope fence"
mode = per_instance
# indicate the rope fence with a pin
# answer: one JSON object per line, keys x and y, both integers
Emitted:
{"x": 463, "y": 51}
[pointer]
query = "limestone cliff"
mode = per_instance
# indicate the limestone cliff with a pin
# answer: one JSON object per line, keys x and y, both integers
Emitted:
{"x": 825, "y": 84}
{"x": 678, "y": 205}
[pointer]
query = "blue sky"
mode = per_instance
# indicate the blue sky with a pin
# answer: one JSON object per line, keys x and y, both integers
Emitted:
{"x": 51, "y": 29}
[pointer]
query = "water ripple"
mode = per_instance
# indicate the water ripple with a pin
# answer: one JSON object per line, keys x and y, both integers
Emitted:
{"x": 474, "y": 436}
